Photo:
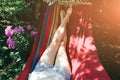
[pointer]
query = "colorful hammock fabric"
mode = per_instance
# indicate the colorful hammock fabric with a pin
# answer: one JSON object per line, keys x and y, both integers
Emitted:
{"x": 28, "y": 66}
{"x": 80, "y": 47}
{"x": 44, "y": 35}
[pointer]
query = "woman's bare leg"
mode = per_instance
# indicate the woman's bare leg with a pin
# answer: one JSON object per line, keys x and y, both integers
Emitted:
{"x": 62, "y": 59}
{"x": 50, "y": 53}
{"x": 62, "y": 14}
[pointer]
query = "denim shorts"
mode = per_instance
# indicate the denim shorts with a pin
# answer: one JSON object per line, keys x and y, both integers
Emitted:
{"x": 41, "y": 66}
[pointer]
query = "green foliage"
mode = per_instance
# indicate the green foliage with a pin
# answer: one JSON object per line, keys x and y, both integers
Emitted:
{"x": 15, "y": 13}
{"x": 12, "y": 10}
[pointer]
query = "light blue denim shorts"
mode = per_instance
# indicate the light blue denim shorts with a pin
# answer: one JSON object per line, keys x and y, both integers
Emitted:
{"x": 41, "y": 66}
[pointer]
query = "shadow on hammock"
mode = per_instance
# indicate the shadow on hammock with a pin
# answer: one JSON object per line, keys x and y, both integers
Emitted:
{"x": 82, "y": 50}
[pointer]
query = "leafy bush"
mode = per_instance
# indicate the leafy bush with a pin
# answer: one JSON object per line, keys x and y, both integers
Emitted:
{"x": 13, "y": 56}
{"x": 12, "y": 10}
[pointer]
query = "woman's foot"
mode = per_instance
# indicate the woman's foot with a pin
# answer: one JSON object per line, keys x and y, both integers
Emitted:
{"x": 68, "y": 13}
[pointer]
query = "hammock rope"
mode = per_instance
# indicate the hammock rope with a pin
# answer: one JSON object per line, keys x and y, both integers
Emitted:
{"x": 69, "y": 2}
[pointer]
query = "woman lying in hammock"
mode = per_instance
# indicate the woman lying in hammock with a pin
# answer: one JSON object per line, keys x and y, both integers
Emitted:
{"x": 46, "y": 69}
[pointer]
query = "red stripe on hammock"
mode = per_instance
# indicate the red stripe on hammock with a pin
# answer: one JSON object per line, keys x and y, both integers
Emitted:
{"x": 47, "y": 32}
{"x": 25, "y": 72}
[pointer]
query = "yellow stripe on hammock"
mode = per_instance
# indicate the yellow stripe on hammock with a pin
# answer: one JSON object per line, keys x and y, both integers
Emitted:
{"x": 55, "y": 23}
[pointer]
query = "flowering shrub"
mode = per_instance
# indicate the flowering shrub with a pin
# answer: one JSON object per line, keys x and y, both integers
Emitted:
{"x": 16, "y": 41}
{"x": 15, "y": 45}
{"x": 16, "y": 36}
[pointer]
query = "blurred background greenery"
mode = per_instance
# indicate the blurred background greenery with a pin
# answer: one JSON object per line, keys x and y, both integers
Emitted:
{"x": 16, "y": 13}
{"x": 106, "y": 32}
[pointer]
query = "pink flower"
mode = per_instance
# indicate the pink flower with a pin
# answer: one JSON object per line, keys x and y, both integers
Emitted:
{"x": 8, "y": 31}
{"x": 29, "y": 27}
{"x": 33, "y": 33}
{"x": 11, "y": 43}
{"x": 18, "y": 30}
{"x": 21, "y": 29}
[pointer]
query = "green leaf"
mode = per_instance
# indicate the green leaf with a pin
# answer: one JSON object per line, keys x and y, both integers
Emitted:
{"x": 4, "y": 48}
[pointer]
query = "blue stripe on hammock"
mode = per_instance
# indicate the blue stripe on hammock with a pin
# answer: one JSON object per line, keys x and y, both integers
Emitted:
{"x": 41, "y": 38}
